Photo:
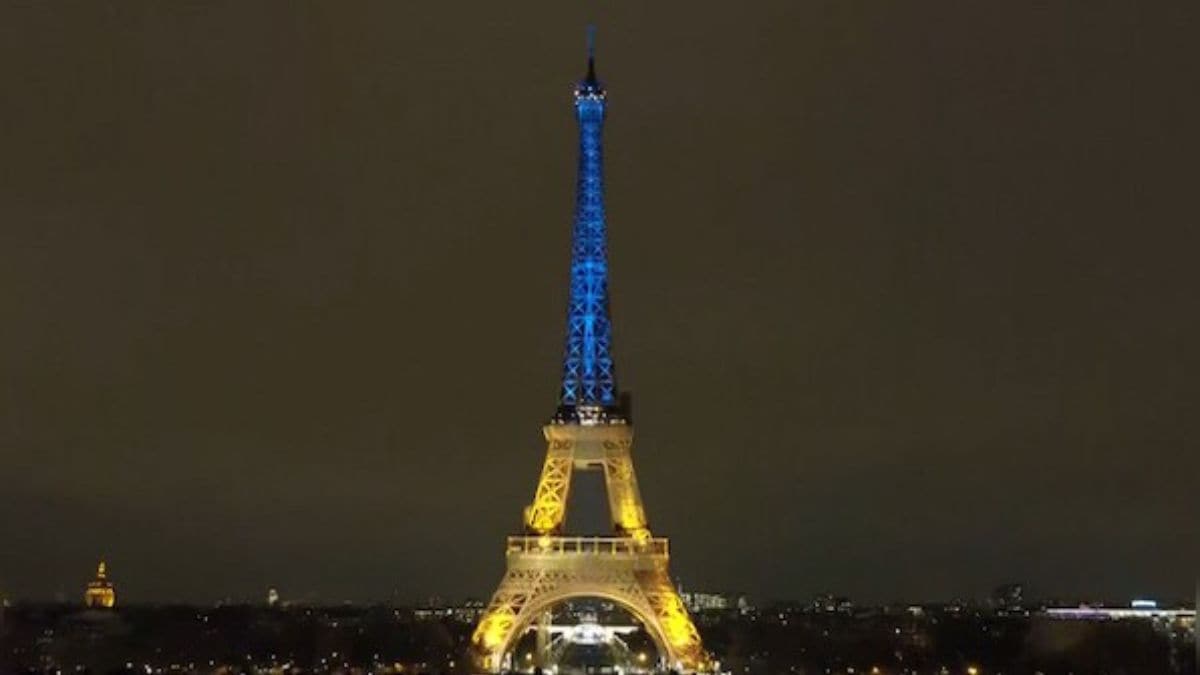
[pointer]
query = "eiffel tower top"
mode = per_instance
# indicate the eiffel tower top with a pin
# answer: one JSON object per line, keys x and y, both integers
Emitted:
{"x": 589, "y": 393}
{"x": 589, "y": 85}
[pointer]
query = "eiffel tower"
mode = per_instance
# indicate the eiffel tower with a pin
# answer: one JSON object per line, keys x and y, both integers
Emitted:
{"x": 591, "y": 431}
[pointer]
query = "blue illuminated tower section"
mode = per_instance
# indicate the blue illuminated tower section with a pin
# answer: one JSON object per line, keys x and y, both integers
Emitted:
{"x": 589, "y": 382}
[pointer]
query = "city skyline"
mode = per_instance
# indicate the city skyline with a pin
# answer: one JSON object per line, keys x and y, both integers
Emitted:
{"x": 100, "y": 592}
{"x": 285, "y": 298}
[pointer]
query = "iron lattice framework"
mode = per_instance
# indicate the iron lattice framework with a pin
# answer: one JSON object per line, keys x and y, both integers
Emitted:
{"x": 590, "y": 432}
{"x": 544, "y": 571}
{"x": 589, "y": 377}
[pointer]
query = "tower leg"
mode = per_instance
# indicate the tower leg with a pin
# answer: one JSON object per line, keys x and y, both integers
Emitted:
{"x": 624, "y": 498}
{"x": 542, "y": 659}
{"x": 673, "y": 616}
{"x": 549, "y": 508}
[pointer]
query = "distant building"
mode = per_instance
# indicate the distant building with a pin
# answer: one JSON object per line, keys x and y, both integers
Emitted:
{"x": 705, "y": 602}
{"x": 469, "y": 611}
{"x": 1138, "y": 609}
{"x": 698, "y": 602}
{"x": 1009, "y": 596}
{"x": 434, "y": 609}
{"x": 100, "y": 591}
{"x": 829, "y": 603}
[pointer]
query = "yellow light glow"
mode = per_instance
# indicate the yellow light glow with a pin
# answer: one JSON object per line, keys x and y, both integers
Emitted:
{"x": 100, "y": 591}
{"x": 491, "y": 632}
{"x": 544, "y": 563}
{"x": 549, "y": 508}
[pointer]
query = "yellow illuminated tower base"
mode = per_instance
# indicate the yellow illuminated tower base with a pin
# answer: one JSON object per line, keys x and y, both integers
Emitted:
{"x": 546, "y": 568}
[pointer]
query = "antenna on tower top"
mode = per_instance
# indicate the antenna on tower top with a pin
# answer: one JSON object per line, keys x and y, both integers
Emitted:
{"x": 591, "y": 51}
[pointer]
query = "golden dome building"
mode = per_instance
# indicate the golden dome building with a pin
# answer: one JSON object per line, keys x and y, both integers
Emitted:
{"x": 100, "y": 591}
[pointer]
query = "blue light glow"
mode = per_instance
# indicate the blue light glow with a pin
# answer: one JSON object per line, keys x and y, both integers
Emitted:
{"x": 589, "y": 377}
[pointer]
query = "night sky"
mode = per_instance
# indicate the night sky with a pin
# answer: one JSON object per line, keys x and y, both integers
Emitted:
{"x": 905, "y": 293}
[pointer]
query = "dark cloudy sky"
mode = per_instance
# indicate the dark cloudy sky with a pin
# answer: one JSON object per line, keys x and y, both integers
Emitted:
{"x": 905, "y": 292}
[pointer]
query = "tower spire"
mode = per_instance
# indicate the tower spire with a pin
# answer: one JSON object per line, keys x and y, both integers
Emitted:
{"x": 589, "y": 386}
{"x": 591, "y": 52}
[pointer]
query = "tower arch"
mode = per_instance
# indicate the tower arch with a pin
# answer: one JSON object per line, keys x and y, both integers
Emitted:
{"x": 636, "y": 607}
